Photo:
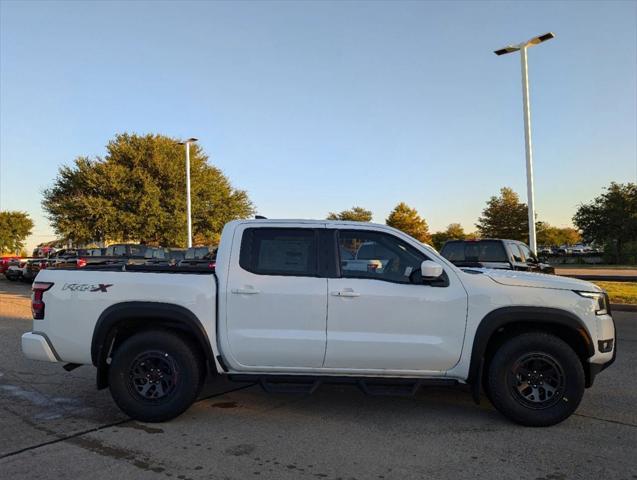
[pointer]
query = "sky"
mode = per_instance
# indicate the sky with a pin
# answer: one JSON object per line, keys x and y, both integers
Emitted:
{"x": 315, "y": 107}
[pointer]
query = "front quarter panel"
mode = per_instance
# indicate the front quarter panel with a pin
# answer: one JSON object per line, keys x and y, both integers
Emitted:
{"x": 487, "y": 296}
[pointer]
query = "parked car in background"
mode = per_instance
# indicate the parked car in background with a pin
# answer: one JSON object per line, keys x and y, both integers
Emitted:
{"x": 117, "y": 254}
{"x": 33, "y": 267}
{"x": 494, "y": 253}
{"x": 581, "y": 249}
{"x": 5, "y": 261}
{"x": 176, "y": 255}
{"x": 61, "y": 256}
{"x": 15, "y": 269}
{"x": 564, "y": 250}
{"x": 199, "y": 256}
{"x": 43, "y": 252}
{"x": 546, "y": 250}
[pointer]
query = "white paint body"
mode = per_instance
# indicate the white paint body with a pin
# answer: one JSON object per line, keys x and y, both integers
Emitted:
{"x": 311, "y": 325}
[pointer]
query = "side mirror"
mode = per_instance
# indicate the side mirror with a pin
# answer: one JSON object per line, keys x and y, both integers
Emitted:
{"x": 430, "y": 270}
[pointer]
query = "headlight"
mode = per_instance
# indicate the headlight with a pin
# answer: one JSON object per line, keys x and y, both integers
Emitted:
{"x": 600, "y": 299}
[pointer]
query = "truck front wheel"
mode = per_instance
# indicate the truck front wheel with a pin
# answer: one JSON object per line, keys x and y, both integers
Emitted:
{"x": 155, "y": 376}
{"x": 536, "y": 379}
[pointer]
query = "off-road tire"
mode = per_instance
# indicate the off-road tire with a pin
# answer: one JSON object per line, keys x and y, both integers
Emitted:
{"x": 526, "y": 395}
{"x": 160, "y": 364}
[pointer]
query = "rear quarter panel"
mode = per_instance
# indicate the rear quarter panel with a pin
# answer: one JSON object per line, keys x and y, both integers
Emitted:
{"x": 76, "y": 301}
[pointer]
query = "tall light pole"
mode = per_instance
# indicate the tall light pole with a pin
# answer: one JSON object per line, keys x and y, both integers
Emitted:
{"x": 522, "y": 47}
{"x": 188, "y": 210}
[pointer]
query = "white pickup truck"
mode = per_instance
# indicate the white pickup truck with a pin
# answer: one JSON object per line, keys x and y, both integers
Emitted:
{"x": 283, "y": 309}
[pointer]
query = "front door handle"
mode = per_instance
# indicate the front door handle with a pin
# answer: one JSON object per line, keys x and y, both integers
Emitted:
{"x": 245, "y": 291}
{"x": 346, "y": 293}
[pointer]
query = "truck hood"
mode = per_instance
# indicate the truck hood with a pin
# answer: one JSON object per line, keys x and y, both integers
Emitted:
{"x": 537, "y": 280}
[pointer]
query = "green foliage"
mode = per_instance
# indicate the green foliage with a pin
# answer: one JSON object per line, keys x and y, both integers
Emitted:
{"x": 137, "y": 192}
{"x": 407, "y": 219}
{"x": 504, "y": 217}
{"x": 556, "y": 236}
{"x": 355, "y": 214}
{"x": 15, "y": 227}
{"x": 611, "y": 219}
{"x": 454, "y": 231}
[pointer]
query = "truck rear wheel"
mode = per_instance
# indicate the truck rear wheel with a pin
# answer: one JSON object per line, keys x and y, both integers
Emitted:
{"x": 536, "y": 379}
{"x": 155, "y": 376}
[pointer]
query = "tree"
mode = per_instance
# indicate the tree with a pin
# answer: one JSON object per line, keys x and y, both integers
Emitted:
{"x": 549, "y": 235}
{"x": 454, "y": 231}
{"x": 15, "y": 227}
{"x": 504, "y": 217}
{"x": 611, "y": 218}
{"x": 407, "y": 219}
{"x": 137, "y": 192}
{"x": 355, "y": 214}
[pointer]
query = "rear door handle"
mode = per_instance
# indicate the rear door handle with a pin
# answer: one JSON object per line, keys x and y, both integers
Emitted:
{"x": 346, "y": 293}
{"x": 245, "y": 291}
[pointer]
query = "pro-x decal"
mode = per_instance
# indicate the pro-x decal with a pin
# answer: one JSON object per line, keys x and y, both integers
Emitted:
{"x": 86, "y": 287}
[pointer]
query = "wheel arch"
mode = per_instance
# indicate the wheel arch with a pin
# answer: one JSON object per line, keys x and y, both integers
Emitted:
{"x": 121, "y": 320}
{"x": 503, "y": 323}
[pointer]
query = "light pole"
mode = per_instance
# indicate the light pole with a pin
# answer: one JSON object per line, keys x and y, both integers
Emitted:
{"x": 188, "y": 212}
{"x": 522, "y": 47}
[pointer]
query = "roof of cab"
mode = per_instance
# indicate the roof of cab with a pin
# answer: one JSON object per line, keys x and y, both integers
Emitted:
{"x": 309, "y": 221}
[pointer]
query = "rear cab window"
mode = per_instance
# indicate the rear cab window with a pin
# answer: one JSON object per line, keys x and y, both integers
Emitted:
{"x": 474, "y": 251}
{"x": 279, "y": 251}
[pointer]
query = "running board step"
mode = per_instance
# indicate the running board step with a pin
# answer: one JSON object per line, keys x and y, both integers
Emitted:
{"x": 404, "y": 387}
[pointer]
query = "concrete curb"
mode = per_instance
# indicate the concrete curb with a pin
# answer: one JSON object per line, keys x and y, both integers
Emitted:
{"x": 623, "y": 307}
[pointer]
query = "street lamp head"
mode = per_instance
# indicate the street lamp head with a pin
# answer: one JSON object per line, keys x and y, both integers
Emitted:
{"x": 530, "y": 43}
{"x": 539, "y": 39}
{"x": 505, "y": 50}
{"x": 190, "y": 140}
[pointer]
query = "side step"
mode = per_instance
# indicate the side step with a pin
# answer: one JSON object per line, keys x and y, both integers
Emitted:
{"x": 404, "y": 387}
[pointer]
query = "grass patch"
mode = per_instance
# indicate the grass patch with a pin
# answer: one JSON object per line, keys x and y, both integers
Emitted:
{"x": 620, "y": 292}
{"x": 575, "y": 266}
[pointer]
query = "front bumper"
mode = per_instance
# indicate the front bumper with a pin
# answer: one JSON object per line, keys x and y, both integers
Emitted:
{"x": 606, "y": 331}
{"x": 595, "y": 368}
{"x": 36, "y": 346}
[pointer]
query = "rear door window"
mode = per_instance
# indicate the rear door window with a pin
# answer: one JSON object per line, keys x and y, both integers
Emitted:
{"x": 279, "y": 251}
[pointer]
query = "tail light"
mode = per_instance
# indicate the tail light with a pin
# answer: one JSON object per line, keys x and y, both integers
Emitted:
{"x": 81, "y": 262}
{"x": 22, "y": 264}
{"x": 212, "y": 265}
{"x": 42, "y": 265}
{"x": 37, "y": 303}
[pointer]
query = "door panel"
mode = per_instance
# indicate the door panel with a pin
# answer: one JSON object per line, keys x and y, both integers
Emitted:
{"x": 385, "y": 321}
{"x": 392, "y": 326}
{"x": 276, "y": 313}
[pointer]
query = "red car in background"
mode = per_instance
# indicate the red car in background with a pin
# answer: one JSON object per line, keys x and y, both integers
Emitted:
{"x": 5, "y": 260}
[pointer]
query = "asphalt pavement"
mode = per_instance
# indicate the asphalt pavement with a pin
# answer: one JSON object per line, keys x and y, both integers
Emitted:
{"x": 55, "y": 424}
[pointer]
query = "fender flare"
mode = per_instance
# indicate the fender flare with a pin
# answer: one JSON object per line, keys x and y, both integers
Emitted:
{"x": 155, "y": 313}
{"x": 504, "y": 316}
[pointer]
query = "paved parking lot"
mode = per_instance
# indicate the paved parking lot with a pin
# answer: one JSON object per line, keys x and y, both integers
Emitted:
{"x": 54, "y": 424}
